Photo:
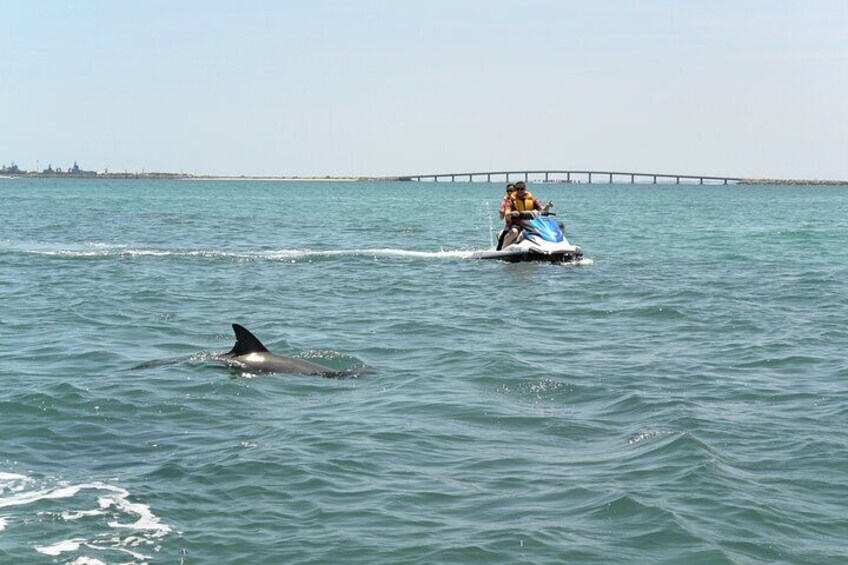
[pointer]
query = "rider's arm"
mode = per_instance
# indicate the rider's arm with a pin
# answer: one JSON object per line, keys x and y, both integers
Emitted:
{"x": 508, "y": 210}
{"x": 504, "y": 208}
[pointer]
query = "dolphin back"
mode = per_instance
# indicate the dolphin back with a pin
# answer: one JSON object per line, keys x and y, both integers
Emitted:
{"x": 246, "y": 342}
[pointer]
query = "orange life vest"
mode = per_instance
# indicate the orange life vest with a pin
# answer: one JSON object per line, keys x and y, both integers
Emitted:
{"x": 525, "y": 204}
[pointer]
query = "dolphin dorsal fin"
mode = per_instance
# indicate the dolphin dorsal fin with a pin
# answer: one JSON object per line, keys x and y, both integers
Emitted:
{"x": 246, "y": 342}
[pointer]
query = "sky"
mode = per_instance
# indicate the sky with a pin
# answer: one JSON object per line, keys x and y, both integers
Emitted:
{"x": 752, "y": 88}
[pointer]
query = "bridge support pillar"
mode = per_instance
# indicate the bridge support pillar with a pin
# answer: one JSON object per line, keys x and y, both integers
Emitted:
{"x": 590, "y": 178}
{"x": 546, "y": 176}
{"x": 655, "y": 179}
{"x": 632, "y": 179}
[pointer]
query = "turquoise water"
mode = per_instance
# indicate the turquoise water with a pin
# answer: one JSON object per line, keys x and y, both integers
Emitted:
{"x": 681, "y": 396}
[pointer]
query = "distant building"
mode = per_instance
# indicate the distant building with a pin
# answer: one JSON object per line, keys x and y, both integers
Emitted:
{"x": 75, "y": 170}
{"x": 72, "y": 171}
{"x": 12, "y": 169}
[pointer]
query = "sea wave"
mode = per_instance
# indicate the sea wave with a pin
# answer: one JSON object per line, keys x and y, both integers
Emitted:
{"x": 109, "y": 521}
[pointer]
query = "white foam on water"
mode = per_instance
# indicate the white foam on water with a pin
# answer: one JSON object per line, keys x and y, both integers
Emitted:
{"x": 75, "y": 544}
{"x": 373, "y": 252}
{"x": 12, "y": 482}
{"x": 296, "y": 254}
{"x": 71, "y": 516}
{"x": 644, "y": 436}
{"x": 115, "y": 513}
{"x": 101, "y": 245}
{"x": 99, "y": 249}
{"x": 441, "y": 254}
{"x": 147, "y": 521}
{"x": 47, "y": 494}
{"x": 86, "y": 561}
{"x": 61, "y": 547}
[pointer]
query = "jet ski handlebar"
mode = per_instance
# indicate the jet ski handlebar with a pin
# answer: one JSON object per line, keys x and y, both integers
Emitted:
{"x": 530, "y": 214}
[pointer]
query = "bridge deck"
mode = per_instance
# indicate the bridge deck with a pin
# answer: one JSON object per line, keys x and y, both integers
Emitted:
{"x": 612, "y": 177}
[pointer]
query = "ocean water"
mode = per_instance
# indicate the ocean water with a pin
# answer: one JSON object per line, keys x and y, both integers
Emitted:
{"x": 680, "y": 396}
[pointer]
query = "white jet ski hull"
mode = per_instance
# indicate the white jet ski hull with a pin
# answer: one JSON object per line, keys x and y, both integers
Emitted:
{"x": 525, "y": 250}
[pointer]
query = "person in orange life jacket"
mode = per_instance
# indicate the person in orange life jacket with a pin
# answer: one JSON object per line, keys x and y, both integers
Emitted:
{"x": 521, "y": 201}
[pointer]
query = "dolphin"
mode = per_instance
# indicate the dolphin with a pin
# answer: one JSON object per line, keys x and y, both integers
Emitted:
{"x": 249, "y": 354}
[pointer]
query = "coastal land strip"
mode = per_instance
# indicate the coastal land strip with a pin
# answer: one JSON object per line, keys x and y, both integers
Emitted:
{"x": 193, "y": 177}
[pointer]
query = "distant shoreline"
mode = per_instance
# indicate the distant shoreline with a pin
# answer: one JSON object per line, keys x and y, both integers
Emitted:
{"x": 181, "y": 176}
{"x": 233, "y": 178}
{"x": 789, "y": 182}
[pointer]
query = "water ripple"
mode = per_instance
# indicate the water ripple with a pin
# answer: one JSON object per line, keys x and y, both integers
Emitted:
{"x": 678, "y": 397}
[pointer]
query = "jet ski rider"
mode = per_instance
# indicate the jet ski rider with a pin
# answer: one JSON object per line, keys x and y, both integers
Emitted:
{"x": 506, "y": 202}
{"x": 506, "y": 205}
{"x": 521, "y": 201}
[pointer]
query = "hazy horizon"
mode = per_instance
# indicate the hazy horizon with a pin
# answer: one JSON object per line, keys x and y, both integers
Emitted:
{"x": 375, "y": 88}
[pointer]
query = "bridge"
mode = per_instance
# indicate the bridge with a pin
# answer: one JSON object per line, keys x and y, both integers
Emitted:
{"x": 611, "y": 177}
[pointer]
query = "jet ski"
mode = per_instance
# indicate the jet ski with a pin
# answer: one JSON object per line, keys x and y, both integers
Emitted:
{"x": 541, "y": 239}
